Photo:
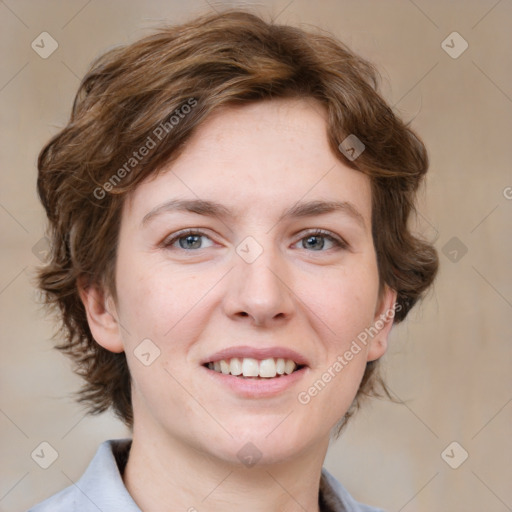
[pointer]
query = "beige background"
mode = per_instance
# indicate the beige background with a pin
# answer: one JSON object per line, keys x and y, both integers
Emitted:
{"x": 451, "y": 360}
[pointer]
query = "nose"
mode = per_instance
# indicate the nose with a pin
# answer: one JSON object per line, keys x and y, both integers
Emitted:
{"x": 260, "y": 292}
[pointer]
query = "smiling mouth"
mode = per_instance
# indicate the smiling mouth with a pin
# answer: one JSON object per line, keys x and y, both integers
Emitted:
{"x": 250, "y": 368}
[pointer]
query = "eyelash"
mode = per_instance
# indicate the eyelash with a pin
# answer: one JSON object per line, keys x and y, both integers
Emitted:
{"x": 339, "y": 243}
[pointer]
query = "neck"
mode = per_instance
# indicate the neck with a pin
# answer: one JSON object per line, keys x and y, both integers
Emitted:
{"x": 164, "y": 474}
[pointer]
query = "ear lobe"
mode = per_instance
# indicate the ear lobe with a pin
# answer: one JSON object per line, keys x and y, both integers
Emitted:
{"x": 382, "y": 324}
{"x": 101, "y": 316}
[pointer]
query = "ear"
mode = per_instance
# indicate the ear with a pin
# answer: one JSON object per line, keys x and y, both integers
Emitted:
{"x": 382, "y": 323}
{"x": 101, "y": 316}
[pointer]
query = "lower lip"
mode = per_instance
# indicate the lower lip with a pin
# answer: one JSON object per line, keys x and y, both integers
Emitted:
{"x": 257, "y": 388}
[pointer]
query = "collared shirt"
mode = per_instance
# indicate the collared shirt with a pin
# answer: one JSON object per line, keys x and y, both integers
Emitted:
{"x": 101, "y": 488}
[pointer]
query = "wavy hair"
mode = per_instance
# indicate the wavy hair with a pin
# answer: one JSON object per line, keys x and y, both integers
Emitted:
{"x": 130, "y": 95}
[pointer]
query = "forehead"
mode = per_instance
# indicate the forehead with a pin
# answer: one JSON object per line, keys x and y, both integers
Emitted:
{"x": 258, "y": 157}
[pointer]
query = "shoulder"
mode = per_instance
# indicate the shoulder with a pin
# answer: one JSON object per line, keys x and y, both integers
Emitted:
{"x": 335, "y": 498}
{"x": 100, "y": 487}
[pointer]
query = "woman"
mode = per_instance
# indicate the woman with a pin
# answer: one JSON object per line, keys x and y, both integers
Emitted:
{"x": 228, "y": 207}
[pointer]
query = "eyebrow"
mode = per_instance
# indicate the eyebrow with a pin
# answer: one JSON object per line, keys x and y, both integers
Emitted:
{"x": 217, "y": 210}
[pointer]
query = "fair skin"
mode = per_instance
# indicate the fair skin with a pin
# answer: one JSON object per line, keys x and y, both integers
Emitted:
{"x": 198, "y": 295}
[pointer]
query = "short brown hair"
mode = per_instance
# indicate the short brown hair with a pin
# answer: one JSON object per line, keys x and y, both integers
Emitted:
{"x": 131, "y": 93}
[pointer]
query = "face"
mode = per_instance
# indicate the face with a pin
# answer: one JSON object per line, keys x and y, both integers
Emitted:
{"x": 254, "y": 245}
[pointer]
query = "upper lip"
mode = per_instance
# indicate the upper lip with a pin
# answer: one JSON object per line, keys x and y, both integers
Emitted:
{"x": 257, "y": 353}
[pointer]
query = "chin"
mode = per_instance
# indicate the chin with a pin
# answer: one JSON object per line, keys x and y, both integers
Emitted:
{"x": 264, "y": 444}
{"x": 249, "y": 454}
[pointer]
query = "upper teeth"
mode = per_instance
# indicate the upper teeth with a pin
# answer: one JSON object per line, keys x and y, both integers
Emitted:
{"x": 249, "y": 367}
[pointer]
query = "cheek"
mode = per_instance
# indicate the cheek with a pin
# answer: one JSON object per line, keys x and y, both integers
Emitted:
{"x": 164, "y": 309}
{"x": 168, "y": 307}
{"x": 344, "y": 311}
{"x": 347, "y": 303}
